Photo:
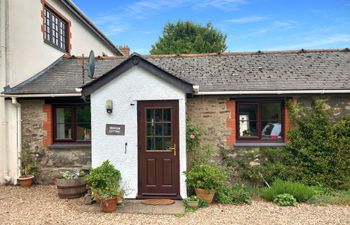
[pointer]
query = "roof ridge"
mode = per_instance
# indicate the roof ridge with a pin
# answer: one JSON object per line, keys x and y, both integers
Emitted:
{"x": 217, "y": 54}
{"x": 248, "y": 53}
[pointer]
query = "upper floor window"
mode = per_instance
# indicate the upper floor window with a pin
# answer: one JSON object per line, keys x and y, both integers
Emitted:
{"x": 260, "y": 120}
{"x": 55, "y": 30}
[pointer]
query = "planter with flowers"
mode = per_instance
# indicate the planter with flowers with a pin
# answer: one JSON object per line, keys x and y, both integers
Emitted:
{"x": 71, "y": 184}
{"x": 104, "y": 182}
{"x": 206, "y": 179}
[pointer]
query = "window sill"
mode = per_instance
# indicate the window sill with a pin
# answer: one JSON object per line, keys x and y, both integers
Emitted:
{"x": 55, "y": 46}
{"x": 70, "y": 146}
{"x": 260, "y": 144}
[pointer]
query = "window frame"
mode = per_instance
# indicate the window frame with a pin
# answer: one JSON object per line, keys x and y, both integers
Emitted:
{"x": 62, "y": 19}
{"x": 258, "y": 139}
{"x": 74, "y": 121}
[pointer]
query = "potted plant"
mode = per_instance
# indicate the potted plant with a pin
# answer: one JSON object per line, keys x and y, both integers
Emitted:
{"x": 206, "y": 179}
{"x": 193, "y": 202}
{"x": 28, "y": 167}
{"x": 104, "y": 182}
{"x": 71, "y": 184}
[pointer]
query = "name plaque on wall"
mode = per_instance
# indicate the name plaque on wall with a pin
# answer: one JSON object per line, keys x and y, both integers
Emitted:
{"x": 115, "y": 129}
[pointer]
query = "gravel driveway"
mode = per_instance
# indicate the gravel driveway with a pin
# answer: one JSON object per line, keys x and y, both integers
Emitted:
{"x": 40, "y": 205}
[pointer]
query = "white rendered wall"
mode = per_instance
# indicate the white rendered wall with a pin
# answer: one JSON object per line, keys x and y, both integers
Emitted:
{"x": 23, "y": 53}
{"x": 28, "y": 54}
{"x": 134, "y": 85}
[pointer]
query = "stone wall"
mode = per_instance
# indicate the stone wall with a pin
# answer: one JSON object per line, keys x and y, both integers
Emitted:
{"x": 212, "y": 114}
{"x": 216, "y": 114}
{"x": 37, "y": 132}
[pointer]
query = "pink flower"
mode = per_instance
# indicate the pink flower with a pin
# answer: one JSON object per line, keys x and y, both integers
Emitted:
{"x": 192, "y": 136}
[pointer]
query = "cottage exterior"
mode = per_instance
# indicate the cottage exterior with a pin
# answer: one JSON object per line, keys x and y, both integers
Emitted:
{"x": 33, "y": 35}
{"x": 135, "y": 110}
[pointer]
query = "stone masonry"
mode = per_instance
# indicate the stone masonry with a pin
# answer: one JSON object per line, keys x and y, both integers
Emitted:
{"x": 216, "y": 114}
{"x": 37, "y": 132}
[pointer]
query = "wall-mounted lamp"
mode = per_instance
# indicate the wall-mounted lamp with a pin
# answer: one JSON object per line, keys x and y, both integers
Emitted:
{"x": 109, "y": 106}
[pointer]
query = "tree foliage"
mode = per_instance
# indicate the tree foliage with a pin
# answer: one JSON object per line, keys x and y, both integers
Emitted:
{"x": 188, "y": 37}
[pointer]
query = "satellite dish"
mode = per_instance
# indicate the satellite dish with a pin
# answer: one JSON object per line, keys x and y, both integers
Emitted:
{"x": 91, "y": 65}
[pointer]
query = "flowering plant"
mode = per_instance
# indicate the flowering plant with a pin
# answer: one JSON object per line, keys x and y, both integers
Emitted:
{"x": 193, "y": 135}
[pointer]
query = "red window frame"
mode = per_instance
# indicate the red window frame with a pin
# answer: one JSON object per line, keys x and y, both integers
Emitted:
{"x": 258, "y": 138}
{"x": 74, "y": 122}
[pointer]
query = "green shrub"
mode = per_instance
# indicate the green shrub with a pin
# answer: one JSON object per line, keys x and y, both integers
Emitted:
{"x": 102, "y": 176}
{"x": 206, "y": 176}
{"x": 317, "y": 152}
{"x": 233, "y": 195}
{"x": 28, "y": 164}
{"x": 300, "y": 191}
{"x": 285, "y": 200}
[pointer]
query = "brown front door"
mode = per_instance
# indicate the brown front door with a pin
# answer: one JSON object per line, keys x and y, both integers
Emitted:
{"x": 158, "y": 145}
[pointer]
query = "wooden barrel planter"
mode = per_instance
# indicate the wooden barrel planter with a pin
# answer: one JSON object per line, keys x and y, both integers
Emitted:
{"x": 74, "y": 188}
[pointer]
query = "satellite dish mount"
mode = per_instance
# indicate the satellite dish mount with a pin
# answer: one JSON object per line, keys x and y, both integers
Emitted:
{"x": 89, "y": 66}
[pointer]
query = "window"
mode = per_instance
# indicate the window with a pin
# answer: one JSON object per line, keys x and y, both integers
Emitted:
{"x": 158, "y": 128}
{"x": 72, "y": 123}
{"x": 260, "y": 121}
{"x": 55, "y": 29}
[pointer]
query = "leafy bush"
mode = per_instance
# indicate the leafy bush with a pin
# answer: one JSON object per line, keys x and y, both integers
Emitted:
{"x": 285, "y": 200}
{"x": 28, "y": 165}
{"x": 317, "y": 152}
{"x": 193, "y": 136}
{"x": 206, "y": 176}
{"x": 300, "y": 191}
{"x": 104, "y": 181}
{"x": 233, "y": 195}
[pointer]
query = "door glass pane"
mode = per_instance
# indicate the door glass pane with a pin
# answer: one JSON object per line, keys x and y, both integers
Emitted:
{"x": 150, "y": 143}
{"x": 158, "y": 129}
{"x": 63, "y": 123}
{"x": 248, "y": 120}
{"x": 271, "y": 114}
{"x": 159, "y": 115}
{"x": 167, "y": 115}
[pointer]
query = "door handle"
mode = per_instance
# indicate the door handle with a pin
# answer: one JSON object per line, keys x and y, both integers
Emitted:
{"x": 173, "y": 149}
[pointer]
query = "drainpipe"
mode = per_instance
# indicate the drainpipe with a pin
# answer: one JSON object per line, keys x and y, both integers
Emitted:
{"x": 19, "y": 134}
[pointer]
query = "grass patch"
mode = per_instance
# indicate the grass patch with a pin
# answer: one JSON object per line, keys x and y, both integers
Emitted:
{"x": 331, "y": 197}
{"x": 301, "y": 192}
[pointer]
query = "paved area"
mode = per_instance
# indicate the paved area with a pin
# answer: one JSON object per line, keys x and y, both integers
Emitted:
{"x": 40, "y": 205}
{"x": 135, "y": 206}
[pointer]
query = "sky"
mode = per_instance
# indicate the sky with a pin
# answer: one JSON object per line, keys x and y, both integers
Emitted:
{"x": 250, "y": 25}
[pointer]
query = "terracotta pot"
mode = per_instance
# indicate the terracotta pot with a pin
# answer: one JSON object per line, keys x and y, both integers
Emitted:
{"x": 74, "y": 188}
{"x": 193, "y": 204}
{"x": 206, "y": 195}
{"x": 109, "y": 205}
{"x": 26, "y": 181}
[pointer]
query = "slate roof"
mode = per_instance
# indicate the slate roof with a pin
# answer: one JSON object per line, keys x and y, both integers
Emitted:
{"x": 259, "y": 71}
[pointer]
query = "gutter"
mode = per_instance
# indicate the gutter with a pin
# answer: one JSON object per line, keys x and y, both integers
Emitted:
{"x": 39, "y": 95}
{"x": 197, "y": 92}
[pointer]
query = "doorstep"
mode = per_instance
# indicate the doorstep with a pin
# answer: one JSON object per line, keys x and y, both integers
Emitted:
{"x": 136, "y": 207}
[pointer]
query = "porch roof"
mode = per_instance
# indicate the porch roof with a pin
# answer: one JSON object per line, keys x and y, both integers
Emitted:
{"x": 258, "y": 71}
